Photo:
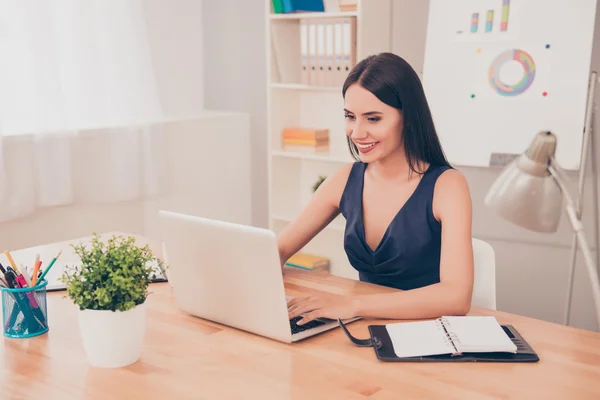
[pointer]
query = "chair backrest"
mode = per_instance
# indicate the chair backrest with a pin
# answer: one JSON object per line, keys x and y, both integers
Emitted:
{"x": 484, "y": 288}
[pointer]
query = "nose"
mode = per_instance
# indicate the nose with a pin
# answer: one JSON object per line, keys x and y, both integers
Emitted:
{"x": 358, "y": 132}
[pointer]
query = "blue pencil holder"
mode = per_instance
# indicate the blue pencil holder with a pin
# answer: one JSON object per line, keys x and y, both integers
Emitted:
{"x": 24, "y": 311}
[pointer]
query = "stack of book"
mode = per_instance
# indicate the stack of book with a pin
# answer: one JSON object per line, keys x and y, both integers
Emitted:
{"x": 309, "y": 262}
{"x": 348, "y": 5}
{"x": 305, "y": 140}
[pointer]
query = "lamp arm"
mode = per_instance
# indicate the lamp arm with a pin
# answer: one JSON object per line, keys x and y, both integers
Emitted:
{"x": 561, "y": 179}
{"x": 574, "y": 218}
{"x": 587, "y": 256}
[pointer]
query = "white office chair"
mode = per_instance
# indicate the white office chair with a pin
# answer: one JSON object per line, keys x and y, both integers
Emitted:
{"x": 484, "y": 288}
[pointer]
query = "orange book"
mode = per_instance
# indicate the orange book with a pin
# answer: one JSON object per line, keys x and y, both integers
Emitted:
{"x": 307, "y": 142}
{"x": 305, "y": 133}
{"x": 307, "y": 261}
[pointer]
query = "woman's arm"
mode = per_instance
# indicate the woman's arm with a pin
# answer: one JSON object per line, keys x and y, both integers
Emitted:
{"x": 322, "y": 208}
{"x": 451, "y": 296}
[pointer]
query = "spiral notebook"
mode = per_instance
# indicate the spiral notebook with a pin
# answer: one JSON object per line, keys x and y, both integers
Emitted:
{"x": 447, "y": 339}
{"x": 449, "y": 335}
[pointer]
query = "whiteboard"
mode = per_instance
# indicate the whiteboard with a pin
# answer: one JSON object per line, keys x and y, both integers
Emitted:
{"x": 496, "y": 72}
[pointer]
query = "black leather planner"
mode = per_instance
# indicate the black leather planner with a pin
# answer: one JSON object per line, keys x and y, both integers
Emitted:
{"x": 382, "y": 344}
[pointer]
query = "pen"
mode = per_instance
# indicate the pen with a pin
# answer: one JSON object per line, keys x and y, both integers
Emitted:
{"x": 25, "y": 275}
{"x": 12, "y": 282}
{"x": 11, "y": 278}
{"x": 22, "y": 282}
{"x": 2, "y": 268}
{"x": 16, "y": 281}
{"x": 49, "y": 266}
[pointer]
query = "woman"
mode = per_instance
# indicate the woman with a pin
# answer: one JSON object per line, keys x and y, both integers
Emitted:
{"x": 408, "y": 212}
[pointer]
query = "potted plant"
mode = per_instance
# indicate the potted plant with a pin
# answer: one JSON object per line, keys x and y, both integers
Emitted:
{"x": 318, "y": 183}
{"x": 110, "y": 287}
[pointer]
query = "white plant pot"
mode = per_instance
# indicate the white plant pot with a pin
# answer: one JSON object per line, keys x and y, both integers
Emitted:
{"x": 113, "y": 339}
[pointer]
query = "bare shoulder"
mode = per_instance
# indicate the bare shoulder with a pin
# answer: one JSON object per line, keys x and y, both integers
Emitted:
{"x": 451, "y": 180}
{"x": 451, "y": 193}
{"x": 341, "y": 174}
{"x": 333, "y": 186}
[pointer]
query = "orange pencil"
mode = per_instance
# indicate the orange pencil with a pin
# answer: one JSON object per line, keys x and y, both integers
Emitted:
{"x": 36, "y": 268}
{"x": 11, "y": 261}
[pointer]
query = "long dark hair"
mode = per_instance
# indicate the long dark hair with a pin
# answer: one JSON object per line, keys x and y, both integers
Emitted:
{"x": 393, "y": 81}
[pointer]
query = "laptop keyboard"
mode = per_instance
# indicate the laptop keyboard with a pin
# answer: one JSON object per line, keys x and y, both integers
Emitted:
{"x": 299, "y": 328}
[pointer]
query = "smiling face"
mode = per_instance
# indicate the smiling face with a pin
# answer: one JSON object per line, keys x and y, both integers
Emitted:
{"x": 373, "y": 126}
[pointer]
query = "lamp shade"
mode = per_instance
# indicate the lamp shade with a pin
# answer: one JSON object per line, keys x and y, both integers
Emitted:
{"x": 525, "y": 193}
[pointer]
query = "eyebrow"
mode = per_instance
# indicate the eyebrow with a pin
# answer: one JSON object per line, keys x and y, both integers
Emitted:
{"x": 367, "y": 113}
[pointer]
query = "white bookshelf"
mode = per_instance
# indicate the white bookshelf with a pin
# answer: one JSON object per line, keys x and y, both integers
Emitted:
{"x": 290, "y": 103}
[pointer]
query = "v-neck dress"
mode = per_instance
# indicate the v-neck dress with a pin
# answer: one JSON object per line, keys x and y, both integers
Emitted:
{"x": 408, "y": 255}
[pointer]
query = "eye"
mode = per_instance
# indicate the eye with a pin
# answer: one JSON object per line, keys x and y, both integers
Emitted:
{"x": 349, "y": 116}
{"x": 374, "y": 119}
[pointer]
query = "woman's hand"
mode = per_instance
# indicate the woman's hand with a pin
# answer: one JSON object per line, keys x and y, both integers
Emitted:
{"x": 322, "y": 306}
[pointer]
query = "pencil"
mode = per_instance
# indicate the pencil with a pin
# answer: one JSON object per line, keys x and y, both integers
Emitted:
{"x": 36, "y": 268}
{"x": 11, "y": 261}
{"x": 49, "y": 266}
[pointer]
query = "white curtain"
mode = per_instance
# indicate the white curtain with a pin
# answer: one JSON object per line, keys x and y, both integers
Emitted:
{"x": 79, "y": 107}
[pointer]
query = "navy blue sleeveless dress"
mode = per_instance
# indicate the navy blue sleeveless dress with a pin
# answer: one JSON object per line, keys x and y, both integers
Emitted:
{"x": 408, "y": 255}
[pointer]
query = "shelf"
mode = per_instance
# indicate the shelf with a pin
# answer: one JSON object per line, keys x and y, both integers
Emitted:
{"x": 337, "y": 224}
{"x": 291, "y": 102}
{"x": 298, "y": 86}
{"x": 315, "y": 157}
{"x": 311, "y": 15}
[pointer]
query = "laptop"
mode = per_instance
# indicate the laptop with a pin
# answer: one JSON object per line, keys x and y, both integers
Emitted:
{"x": 231, "y": 274}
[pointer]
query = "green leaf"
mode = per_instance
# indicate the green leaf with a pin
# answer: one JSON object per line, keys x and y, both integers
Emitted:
{"x": 113, "y": 275}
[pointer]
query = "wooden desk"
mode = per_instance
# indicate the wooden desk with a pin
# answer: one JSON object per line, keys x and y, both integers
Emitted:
{"x": 185, "y": 357}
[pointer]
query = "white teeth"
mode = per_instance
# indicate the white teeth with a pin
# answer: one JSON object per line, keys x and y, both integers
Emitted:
{"x": 366, "y": 146}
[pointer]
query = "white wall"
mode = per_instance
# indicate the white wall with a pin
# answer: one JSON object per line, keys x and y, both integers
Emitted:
{"x": 200, "y": 178}
{"x": 176, "y": 42}
{"x": 532, "y": 269}
{"x": 235, "y": 78}
{"x": 207, "y": 154}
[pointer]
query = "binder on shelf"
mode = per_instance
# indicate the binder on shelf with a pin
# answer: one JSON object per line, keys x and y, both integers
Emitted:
{"x": 349, "y": 45}
{"x": 329, "y": 55}
{"x": 321, "y": 70}
{"x": 344, "y": 32}
{"x": 447, "y": 339}
{"x": 277, "y": 6}
{"x": 312, "y": 52}
{"x": 290, "y": 6}
{"x": 327, "y": 49}
{"x": 304, "y": 54}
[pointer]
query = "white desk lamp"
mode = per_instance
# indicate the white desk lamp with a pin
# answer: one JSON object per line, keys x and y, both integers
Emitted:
{"x": 530, "y": 193}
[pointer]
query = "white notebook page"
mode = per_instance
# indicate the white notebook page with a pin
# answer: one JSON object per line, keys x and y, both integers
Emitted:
{"x": 422, "y": 338}
{"x": 479, "y": 334}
